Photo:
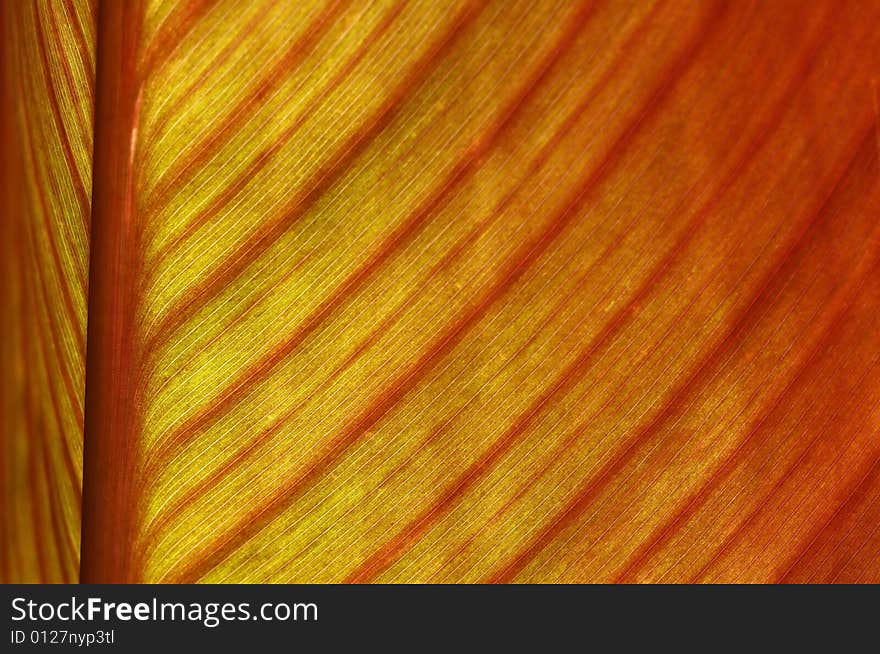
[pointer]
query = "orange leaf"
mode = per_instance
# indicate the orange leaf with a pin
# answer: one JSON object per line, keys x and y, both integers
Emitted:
{"x": 48, "y": 69}
{"x": 477, "y": 291}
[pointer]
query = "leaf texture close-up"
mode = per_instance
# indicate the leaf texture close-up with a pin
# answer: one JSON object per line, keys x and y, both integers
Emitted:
{"x": 419, "y": 291}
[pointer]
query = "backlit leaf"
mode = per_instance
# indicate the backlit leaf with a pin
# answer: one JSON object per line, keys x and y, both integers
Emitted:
{"x": 47, "y": 56}
{"x": 480, "y": 291}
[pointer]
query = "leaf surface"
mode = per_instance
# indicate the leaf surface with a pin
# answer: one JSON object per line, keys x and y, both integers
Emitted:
{"x": 484, "y": 291}
{"x": 48, "y": 71}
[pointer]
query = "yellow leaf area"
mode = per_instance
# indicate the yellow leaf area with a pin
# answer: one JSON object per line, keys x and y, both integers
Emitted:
{"x": 48, "y": 77}
{"x": 499, "y": 291}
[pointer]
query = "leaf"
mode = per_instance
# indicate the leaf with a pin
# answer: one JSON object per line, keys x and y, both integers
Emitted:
{"x": 48, "y": 69}
{"x": 484, "y": 291}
